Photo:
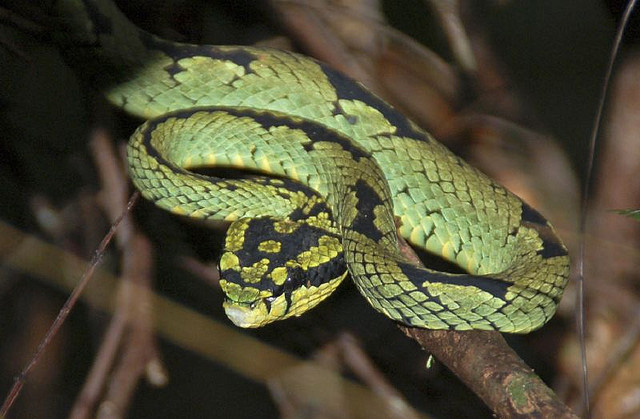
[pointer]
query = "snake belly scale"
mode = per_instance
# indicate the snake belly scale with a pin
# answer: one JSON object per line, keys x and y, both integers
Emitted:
{"x": 347, "y": 165}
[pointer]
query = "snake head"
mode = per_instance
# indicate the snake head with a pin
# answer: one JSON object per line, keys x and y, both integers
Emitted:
{"x": 273, "y": 269}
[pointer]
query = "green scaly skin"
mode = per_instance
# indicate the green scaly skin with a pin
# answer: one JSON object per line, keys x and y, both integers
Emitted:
{"x": 370, "y": 164}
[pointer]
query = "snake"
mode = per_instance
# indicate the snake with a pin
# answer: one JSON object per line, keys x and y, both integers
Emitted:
{"x": 334, "y": 174}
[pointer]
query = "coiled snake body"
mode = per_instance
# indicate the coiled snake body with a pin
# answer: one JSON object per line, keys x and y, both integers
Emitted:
{"x": 346, "y": 163}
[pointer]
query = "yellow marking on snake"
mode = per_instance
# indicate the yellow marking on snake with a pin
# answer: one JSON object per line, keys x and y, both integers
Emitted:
{"x": 270, "y": 246}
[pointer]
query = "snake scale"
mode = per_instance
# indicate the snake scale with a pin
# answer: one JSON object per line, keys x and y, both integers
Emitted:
{"x": 335, "y": 174}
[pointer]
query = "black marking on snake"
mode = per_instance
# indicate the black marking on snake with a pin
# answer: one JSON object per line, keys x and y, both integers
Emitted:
{"x": 368, "y": 200}
{"x": 268, "y": 301}
{"x": 349, "y": 89}
{"x": 297, "y": 214}
{"x": 316, "y": 209}
{"x": 551, "y": 247}
{"x": 296, "y": 276}
{"x": 292, "y": 244}
{"x": 231, "y": 187}
{"x": 532, "y": 216}
{"x": 173, "y": 69}
{"x": 178, "y": 51}
{"x": 337, "y": 110}
{"x": 287, "y": 297}
{"x": 315, "y": 132}
{"x": 493, "y": 286}
{"x": 260, "y": 229}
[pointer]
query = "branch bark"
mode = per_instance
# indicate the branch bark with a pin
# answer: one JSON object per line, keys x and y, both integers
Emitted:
{"x": 492, "y": 370}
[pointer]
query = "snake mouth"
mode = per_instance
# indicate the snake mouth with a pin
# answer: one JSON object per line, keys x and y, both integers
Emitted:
{"x": 246, "y": 315}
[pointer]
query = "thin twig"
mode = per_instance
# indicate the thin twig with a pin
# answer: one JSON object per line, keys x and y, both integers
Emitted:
{"x": 21, "y": 379}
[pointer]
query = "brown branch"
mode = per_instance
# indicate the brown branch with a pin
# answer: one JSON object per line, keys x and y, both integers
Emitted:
{"x": 492, "y": 370}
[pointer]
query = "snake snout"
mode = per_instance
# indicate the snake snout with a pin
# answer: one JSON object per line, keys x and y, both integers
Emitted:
{"x": 245, "y": 316}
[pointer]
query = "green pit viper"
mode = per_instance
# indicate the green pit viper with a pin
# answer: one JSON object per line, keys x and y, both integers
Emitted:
{"x": 334, "y": 169}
